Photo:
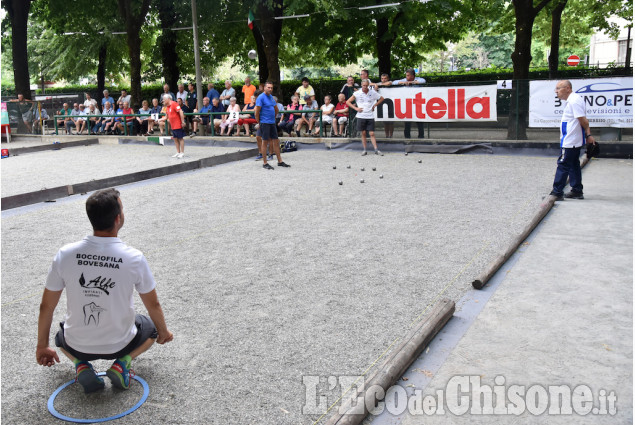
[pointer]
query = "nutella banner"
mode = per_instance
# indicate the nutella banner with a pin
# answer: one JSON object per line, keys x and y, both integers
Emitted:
{"x": 609, "y": 102}
{"x": 437, "y": 104}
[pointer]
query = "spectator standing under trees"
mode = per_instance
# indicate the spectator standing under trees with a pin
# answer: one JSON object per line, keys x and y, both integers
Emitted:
{"x": 166, "y": 93}
{"x": 227, "y": 94}
{"x": 89, "y": 101}
{"x": 125, "y": 97}
{"x": 411, "y": 80}
{"x": 191, "y": 98}
{"x": 248, "y": 90}
{"x": 181, "y": 93}
{"x": 349, "y": 88}
{"x": 107, "y": 98}
{"x": 212, "y": 93}
{"x": 389, "y": 127}
{"x": 305, "y": 90}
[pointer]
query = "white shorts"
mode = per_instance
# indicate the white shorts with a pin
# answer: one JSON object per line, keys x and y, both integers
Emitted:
{"x": 342, "y": 120}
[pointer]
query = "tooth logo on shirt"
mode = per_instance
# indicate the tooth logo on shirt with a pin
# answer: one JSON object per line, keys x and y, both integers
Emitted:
{"x": 92, "y": 311}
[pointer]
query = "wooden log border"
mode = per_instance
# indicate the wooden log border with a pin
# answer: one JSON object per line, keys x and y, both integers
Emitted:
{"x": 51, "y": 194}
{"x": 498, "y": 262}
{"x": 393, "y": 368}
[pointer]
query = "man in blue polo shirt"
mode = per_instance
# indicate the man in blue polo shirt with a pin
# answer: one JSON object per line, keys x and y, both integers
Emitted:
{"x": 574, "y": 132}
{"x": 266, "y": 111}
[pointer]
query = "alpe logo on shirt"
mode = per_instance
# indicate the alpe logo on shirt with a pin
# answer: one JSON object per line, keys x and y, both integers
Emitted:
{"x": 100, "y": 283}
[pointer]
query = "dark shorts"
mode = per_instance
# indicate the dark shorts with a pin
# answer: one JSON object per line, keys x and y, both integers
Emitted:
{"x": 145, "y": 330}
{"x": 268, "y": 131}
{"x": 365, "y": 124}
{"x": 178, "y": 133}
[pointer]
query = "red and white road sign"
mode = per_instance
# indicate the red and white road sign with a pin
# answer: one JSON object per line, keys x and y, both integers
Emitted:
{"x": 573, "y": 60}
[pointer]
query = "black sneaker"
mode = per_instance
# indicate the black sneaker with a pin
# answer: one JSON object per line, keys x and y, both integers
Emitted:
{"x": 268, "y": 167}
{"x": 282, "y": 164}
{"x": 559, "y": 197}
{"x": 574, "y": 195}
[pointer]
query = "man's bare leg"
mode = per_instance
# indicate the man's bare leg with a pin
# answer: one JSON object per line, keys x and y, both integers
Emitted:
{"x": 372, "y": 139}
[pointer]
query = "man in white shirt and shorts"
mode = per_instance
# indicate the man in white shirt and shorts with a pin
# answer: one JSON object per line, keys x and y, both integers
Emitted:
{"x": 367, "y": 100}
{"x": 100, "y": 274}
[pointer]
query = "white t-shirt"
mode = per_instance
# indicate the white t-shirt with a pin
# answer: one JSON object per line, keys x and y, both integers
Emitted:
{"x": 88, "y": 102}
{"x": 181, "y": 95}
{"x": 571, "y": 132}
{"x": 366, "y": 102}
{"x": 100, "y": 276}
{"x": 327, "y": 111}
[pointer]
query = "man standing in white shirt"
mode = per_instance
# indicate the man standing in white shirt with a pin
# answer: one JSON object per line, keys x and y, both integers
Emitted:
{"x": 367, "y": 100}
{"x": 100, "y": 274}
{"x": 181, "y": 94}
{"x": 574, "y": 132}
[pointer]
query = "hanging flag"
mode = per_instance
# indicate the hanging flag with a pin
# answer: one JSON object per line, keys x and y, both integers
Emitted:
{"x": 250, "y": 20}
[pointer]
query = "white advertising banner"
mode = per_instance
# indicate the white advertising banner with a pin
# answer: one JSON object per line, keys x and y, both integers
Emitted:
{"x": 437, "y": 104}
{"x": 609, "y": 102}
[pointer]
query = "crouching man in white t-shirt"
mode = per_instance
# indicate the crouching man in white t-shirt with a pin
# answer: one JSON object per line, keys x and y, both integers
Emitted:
{"x": 100, "y": 274}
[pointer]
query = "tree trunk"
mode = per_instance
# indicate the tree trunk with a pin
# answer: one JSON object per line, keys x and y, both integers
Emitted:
{"x": 556, "y": 20}
{"x": 271, "y": 30}
{"x": 101, "y": 72}
{"x": 19, "y": 14}
{"x": 133, "y": 23}
{"x": 521, "y": 58}
{"x": 167, "y": 43}
{"x": 263, "y": 70}
{"x": 384, "y": 41}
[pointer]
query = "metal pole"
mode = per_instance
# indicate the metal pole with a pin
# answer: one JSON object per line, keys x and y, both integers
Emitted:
{"x": 197, "y": 58}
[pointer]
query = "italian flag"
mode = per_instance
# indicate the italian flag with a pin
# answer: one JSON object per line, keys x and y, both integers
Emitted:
{"x": 250, "y": 20}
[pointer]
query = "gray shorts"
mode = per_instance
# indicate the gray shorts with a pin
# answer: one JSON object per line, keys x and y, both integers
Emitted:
{"x": 268, "y": 131}
{"x": 145, "y": 330}
{"x": 365, "y": 124}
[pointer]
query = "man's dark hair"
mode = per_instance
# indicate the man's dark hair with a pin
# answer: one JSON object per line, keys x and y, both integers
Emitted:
{"x": 385, "y": 75}
{"x": 305, "y": 79}
{"x": 268, "y": 82}
{"x": 364, "y": 70}
{"x": 102, "y": 208}
{"x": 410, "y": 71}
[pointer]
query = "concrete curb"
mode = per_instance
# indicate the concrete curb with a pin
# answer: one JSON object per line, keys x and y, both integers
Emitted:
{"x": 44, "y": 195}
{"x": 395, "y": 365}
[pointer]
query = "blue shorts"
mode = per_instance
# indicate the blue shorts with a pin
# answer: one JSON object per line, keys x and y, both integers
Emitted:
{"x": 178, "y": 133}
{"x": 145, "y": 330}
{"x": 268, "y": 131}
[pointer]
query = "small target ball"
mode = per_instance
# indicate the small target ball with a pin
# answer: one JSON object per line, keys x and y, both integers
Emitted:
{"x": 374, "y": 169}
{"x": 381, "y": 176}
{"x": 348, "y": 166}
{"x": 406, "y": 153}
{"x": 334, "y": 167}
{"x": 363, "y": 169}
{"x": 341, "y": 182}
{"x": 419, "y": 161}
{"x": 361, "y": 181}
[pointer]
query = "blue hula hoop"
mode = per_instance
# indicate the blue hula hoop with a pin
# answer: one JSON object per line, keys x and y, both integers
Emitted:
{"x": 146, "y": 391}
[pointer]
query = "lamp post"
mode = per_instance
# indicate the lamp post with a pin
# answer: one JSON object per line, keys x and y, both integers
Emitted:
{"x": 197, "y": 58}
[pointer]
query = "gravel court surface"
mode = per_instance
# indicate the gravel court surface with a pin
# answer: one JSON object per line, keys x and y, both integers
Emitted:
{"x": 268, "y": 276}
{"x": 39, "y": 170}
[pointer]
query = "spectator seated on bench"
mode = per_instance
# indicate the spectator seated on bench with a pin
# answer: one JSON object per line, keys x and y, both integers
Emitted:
{"x": 287, "y": 120}
{"x": 230, "y": 120}
{"x": 307, "y": 119}
{"x": 327, "y": 115}
{"x": 107, "y": 123}
{"x": 155, "y": 112}
{"x": 341, "y": 116}
{"x": 247, "y": 119}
